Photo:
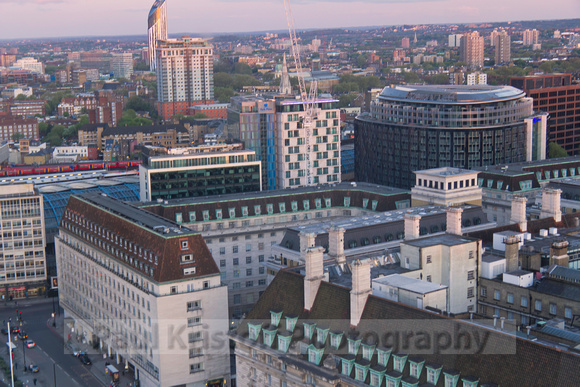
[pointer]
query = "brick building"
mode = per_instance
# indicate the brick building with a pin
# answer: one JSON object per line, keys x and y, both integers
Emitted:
{"x": 557, "y": 95}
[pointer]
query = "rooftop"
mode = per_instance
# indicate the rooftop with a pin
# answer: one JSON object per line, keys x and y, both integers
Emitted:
{"x": 411, "y": 284}
{"x": 378, "y": 189}
{"x": 445, "y": 239}
{"x": 155, "y": 223}
{"x": 446, "y": 171}
{"x": 506, "y": 360}
{"x": 451, "y": 94}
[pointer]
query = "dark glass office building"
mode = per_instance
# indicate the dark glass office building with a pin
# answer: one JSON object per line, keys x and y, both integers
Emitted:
{"x": 412, "y": 128}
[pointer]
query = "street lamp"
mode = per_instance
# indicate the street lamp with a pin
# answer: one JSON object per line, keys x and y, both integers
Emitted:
{"x": 24, "y": 354}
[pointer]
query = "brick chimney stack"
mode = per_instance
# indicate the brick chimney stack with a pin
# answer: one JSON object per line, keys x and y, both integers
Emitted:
{"x": 412, "y": 226}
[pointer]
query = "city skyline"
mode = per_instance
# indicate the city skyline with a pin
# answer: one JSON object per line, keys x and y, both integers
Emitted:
{"x": 68, "y": 18}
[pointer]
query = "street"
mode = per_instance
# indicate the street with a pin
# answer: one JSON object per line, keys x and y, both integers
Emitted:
{"x": 49, "y": 353}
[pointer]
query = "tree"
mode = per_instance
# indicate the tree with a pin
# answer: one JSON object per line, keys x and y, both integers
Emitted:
{"x": 555, "y": 150}
{"x": 223, "y": 94}
{"x": 20, "y": 97}
{"x": 43, "y": 129}
{"x": 17, "y": 136}
{"x": 242, "y": 68}
{"x": 200, "y": 116}
{"x": 137, "y": 103}
{"x": 130, "y": 118}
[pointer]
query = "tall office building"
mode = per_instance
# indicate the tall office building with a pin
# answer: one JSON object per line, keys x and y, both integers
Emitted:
{"x": 502, "y": 48}
{"x": 122, "y": 65}
{"x": 557, "y": 95}
{"x": 422, "y": 127}
{"x": 22, "y": 259}
{"x": 156, "y": 29}
{"x": 471, "y": 50}
{"x": 184, "y": 69}
{"x": 252, "y": 120}
{"x": 143, "y": 290}
{"x": 530, "y": 37}
{"x": 405, "y": 42}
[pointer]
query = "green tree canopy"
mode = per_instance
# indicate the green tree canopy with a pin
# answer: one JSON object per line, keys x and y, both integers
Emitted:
{"x": 555, "y": 150}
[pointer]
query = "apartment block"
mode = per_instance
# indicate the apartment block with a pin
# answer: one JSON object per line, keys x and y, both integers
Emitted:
{"x": 143, "y": 290}
{"x": 22, "y": 257}
{"x": 306, "y": 155}
{"x": 184, "y": 69}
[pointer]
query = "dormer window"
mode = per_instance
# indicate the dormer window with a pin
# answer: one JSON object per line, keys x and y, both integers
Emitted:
{"x": 368, "y": 351}
{"x": 353, "y": 345}
{"x": 360, "y": 372}
{"x": 309, "y": 330}
{"x": 254, "y": 330}
{"x": 321, "y": 335}
{"x": 383, "y": 355}
{"x": 315, "y": 354}
{"x": 470, "y": 381}
{"x": 335, "y": 339}
{"x": 184, "y": 245}
{"x": 399, "y": 362}
{"x": 187, "y": 258}
{"x": 284, "y": 342}
{"x": 218, "y": 213}
{"x": 189, "y": 270}
{"x": 291, "y": 322}
{"x": 451, "y": 379}
{"x": 257, "y": 210}
{"x": 347, "y": 363}
{"x": 306, "y": 205}
{"x": 275, "y": 317}
{"x": 268, "y": 336}
{"x": 347, "y": 201}
{"x": 416, "y": 367}
{"x": 433, "y": 372}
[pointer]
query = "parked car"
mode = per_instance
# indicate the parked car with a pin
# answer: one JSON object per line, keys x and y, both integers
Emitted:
{"x": 85, "y": 359}
{"x": 33, "y": 368}
{"x": 30, "y": 344}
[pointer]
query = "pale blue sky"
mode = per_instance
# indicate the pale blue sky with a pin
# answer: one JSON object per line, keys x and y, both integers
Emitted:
{"x": 52, "y": 18}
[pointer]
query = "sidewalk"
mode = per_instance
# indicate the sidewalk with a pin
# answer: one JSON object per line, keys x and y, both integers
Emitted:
{"x": 98, "y": 359}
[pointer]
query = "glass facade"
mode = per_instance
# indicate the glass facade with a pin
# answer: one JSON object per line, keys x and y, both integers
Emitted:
{"x": 204, "y": 182}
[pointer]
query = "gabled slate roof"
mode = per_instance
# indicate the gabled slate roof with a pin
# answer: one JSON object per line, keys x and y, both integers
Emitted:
{"x": 154, "y": 245}
{"x": 505, "y": 360}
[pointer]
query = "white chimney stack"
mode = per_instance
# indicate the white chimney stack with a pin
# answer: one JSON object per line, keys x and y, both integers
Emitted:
{"x": 307, "y": 240}
{"x": 551, "y": 204}
{"x": 361, "y": 288}
{"x": 412, "y": 226}
{"x": 336, "y": 244}
{"x": 518, "y": 214}
{"x": 314, "y": 274}
{"x": 454, "y": 220}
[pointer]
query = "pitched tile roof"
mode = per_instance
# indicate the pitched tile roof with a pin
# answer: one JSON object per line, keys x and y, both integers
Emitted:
{"x": 157, "y": 244}
{"x": 505, "y": 360}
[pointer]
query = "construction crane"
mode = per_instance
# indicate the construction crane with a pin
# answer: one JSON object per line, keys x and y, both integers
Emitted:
{"x": 307, "y": 97}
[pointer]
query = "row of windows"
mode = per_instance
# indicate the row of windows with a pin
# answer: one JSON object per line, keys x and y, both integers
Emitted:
{"x": 524, "y": 302}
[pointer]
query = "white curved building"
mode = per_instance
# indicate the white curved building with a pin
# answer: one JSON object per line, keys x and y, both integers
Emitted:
{"x": 156, "y": 28}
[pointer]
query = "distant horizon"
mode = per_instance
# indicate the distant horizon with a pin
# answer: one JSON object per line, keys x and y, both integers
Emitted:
{"x": 56, "y": 19}
{"x": 257, "y": 32}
